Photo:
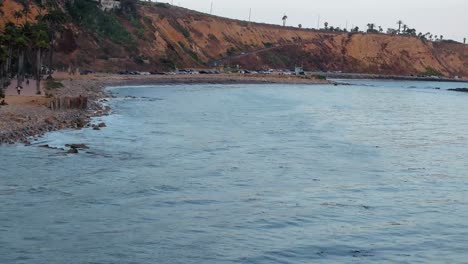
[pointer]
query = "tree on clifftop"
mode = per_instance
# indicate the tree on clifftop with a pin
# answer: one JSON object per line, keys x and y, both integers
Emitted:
{"x": 285, "y": 18}
{"x": 399, "y": 22}
{"x": 371, "y": 28}
{"x": 355, "y": 30}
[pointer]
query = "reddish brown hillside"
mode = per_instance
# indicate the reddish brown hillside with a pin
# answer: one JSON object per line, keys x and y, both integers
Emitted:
{"x": 165, "y": 37}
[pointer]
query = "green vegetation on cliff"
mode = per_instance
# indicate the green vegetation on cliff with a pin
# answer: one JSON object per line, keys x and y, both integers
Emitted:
{"x": 105, "y": 24}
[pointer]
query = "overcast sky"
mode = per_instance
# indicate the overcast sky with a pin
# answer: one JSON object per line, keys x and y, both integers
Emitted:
{"x": 446, "y": 17}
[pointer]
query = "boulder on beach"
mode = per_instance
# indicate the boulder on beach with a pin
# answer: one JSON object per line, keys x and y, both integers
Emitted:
{"x": 50, "y": 120}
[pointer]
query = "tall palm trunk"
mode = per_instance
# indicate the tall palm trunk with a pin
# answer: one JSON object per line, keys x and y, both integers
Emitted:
{"x": 20, "y": 75}
{"x": 8, "y": 62}
{"x": 38, "y": 70}
{"x": 2, "y": 79}
{"x": 51, "y": 51}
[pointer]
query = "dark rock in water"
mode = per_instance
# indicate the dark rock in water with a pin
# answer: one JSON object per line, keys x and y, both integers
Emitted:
{"x": 102, "y": 125}
{"x": 463, "y": 90}
{"x": 96, "y": 128}
{"x": 73, "y": 151}
{"x": 77, "y": 146}
{"x": 49, "y": 147}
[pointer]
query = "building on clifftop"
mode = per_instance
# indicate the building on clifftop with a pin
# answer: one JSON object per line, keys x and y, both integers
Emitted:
{"x": 109, "y": 4}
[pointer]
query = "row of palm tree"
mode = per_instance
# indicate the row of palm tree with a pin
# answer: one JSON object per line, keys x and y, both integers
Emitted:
{"x": 25, "y": 42}
{"x": 403, "y": 29}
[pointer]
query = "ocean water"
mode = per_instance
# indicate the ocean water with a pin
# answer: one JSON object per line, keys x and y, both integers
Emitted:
{"x": 375, "y": 172}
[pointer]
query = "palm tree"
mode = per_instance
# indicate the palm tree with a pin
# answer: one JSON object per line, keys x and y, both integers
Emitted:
{"x": 21, "y": 44}
{"x": 371, "y": 27}
{"x": 3, "y": 60}
{"x": 40, "y": 40}
{"x": 285, "y": 18}
{"x": 399, "y": 22}
{"x": 17, "y": 15}
{"x": 9, "y": 34}
{"x": 326, "y": 25}
{"x": 54, "y": 19}
{"x": 464, "y": 40}
{"x": 405, "y": 27}
{"x": 380, "y": 29}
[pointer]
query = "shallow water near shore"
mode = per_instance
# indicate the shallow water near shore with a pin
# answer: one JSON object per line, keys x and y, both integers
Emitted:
{"x": 375, "y": 172}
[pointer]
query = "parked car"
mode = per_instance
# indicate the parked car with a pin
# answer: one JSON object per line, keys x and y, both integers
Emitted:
{"x": 86, "y": 72}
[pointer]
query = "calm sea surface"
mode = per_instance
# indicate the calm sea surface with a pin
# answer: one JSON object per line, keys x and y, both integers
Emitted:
{"x": 376, "y": 172}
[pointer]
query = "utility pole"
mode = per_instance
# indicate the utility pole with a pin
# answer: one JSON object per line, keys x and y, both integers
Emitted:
{"x": 250, "y": 14}
{"x": 318, "y": 22}
{"x": 211, "y": 8}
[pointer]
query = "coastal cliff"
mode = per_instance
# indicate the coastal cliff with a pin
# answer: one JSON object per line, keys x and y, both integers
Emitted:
{"x": 160, "y": 37}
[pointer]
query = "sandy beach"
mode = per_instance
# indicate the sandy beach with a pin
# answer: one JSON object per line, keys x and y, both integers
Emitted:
{"x": 28, "y": 115}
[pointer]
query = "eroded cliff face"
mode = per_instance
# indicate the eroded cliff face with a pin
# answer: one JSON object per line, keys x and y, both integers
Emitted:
{"x": 168, "y": 37}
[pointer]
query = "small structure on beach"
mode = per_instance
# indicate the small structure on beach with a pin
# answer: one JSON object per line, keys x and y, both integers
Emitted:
{"x": 66, "y": 102}
{"x": 298, "y": 70}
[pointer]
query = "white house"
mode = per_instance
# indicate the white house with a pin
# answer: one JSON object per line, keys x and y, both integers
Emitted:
{"x": 109, "y": 4}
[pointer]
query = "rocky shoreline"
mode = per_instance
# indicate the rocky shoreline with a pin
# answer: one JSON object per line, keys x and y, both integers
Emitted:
{"x": 25, "y": 123}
